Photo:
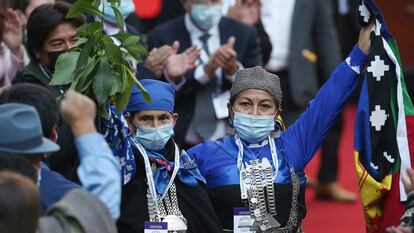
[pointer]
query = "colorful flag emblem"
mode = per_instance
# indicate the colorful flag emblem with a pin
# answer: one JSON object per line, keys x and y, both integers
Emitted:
{"x": 384, "y": 127}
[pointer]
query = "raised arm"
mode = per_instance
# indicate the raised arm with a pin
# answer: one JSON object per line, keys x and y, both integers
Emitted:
{"x": 308, "y": 132}
{"x": 98, "y": 171}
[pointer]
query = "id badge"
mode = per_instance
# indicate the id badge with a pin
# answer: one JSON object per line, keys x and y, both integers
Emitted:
{"x": 220, "y": 104}
{"x": 242, "y": 220}
{"x": 155, "y": 227}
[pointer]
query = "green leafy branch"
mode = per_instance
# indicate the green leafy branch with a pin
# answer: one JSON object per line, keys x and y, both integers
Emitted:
{"x": 96, "y": 66}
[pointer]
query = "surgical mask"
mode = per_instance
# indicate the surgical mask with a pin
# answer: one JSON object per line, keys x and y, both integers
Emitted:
{"x": 126, "y": 8}
{"x": 206, "y": 16}
{"x": 154, "y": 138}
{"x": 253, "y": 129}
{"x": 53, "y": 56}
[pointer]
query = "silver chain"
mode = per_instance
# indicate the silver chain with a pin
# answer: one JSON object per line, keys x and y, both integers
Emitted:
{"x": 168, "y": 206}
{"x": 258, "y": 178}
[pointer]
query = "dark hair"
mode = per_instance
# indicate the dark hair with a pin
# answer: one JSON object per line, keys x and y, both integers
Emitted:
{"x": 19, "y": 204}
{"x": 234, "y": 98}
{"x": 37, "y": 96}
{"x": 17, "y": 163}
{"x": 44, "y": 20}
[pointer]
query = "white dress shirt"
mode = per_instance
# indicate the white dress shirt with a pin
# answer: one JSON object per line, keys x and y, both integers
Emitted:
{"x": 213, "y": 44}
{"x": 276, "y": 17}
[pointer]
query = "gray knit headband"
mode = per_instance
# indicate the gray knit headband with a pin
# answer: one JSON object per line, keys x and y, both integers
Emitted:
{"x": 257, "y": 78}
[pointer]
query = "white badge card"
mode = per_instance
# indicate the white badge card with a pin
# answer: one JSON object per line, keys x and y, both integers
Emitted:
{"x": 242, "y": 220}
{"x": 155, "y": 227}
{"x": 220, "y": 105}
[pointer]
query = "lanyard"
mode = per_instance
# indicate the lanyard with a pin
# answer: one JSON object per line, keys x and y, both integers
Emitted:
{"x": 241, "y": 165}
{"x": 150, "y": 177}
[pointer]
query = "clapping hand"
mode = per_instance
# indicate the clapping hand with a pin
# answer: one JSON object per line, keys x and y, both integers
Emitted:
{"x": 157, "y": 58}
{"x": 179, "y": 64}
{"x": 225, "y": 57}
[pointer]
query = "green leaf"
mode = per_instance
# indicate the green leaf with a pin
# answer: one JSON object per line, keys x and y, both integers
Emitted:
{"x": 130, "y": 41}
{"x": 85, "y": 53}
{"x": 104, "y": 80}
{"x": 81, "y": 41}
{"x": 83, "y": 6}
{"x": 123, "y": 99}
{"x": 119, "y": 18}
{"x": 85, "y": 76}
{"x": 103, "y": 112}
{"x": 65, "y": 68}
{"x": 122, "y": 36}
{"x": 89, "y": 29}
{"x": 139, "y": 85}
{"x": 117, "y": 86}
{"x": 132, "y": 45}
{"x": 112, "y": 49}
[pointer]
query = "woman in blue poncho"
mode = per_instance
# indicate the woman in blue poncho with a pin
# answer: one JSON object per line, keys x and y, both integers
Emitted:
{"x": 260, "y": 168}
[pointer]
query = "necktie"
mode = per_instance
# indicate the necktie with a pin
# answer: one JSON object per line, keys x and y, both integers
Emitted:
{"x": 204, "y": 115}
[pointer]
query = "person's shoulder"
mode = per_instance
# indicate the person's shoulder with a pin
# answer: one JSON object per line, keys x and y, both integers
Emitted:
{"x": 83, "y": 208}
{"x": 168, "y": 26}
{"x": 227, "y": 22}
{"x": 29, "y": 74}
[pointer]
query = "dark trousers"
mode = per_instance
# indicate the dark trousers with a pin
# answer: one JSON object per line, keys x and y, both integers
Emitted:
{"x": 328, "y": 169}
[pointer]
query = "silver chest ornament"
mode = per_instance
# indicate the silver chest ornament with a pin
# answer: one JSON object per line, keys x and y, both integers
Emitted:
{"x": 258, "y": 180}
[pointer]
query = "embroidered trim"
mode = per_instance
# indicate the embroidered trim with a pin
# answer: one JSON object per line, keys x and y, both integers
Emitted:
{"x": 356, "y": 68}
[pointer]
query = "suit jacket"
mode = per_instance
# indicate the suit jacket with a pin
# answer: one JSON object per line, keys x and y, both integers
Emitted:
{"x": 77, "y": 212}
{"x": 312, "y": 30}
{"x": 248, "y": 51}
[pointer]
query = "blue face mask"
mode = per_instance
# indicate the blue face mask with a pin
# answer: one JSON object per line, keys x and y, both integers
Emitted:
{"x": 206, "y": 16}
{"x": 154, "y": 138}
{"x": 126, "y": 7}
{"x": 253, "y": 129}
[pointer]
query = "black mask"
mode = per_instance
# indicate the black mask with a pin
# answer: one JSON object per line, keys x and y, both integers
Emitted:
{"x": 53, "y": 56}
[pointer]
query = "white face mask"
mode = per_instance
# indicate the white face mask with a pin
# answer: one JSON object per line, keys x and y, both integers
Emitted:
{"x": 154, "y": 138}
{"x": 206, "y": 16}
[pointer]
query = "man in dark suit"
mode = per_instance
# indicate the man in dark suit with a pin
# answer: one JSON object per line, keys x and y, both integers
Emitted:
{"x": 202, "y": 94}
{"x": 305, "y": 53}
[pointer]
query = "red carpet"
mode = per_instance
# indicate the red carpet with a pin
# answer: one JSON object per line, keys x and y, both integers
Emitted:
{"x": 329, "y": 217}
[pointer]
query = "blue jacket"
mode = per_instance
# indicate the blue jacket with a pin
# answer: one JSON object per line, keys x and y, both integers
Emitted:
{"x": 217, "y": 161}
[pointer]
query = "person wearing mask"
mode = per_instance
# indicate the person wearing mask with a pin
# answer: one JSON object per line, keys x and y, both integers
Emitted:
{"x": 49, "y": 34}
{"x": 260, "y": 168}
{"x": 305, "y": 52}
{"x": 167, "y": 186}
{"x": 98, "y": 170}
{"x": 226, "y": 46}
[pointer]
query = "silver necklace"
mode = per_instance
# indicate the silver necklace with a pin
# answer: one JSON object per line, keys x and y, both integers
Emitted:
{"x": 256, "y": 178}
{"x": 164, "y": 208}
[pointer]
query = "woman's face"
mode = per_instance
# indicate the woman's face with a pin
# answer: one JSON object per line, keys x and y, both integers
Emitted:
{"x": 254, "y": 102}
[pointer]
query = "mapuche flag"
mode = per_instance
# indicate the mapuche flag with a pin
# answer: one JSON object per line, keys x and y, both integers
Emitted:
{"x": 384, "y": 127}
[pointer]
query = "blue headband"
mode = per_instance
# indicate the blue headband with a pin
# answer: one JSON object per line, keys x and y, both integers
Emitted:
{"x": 162, "y": 97}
